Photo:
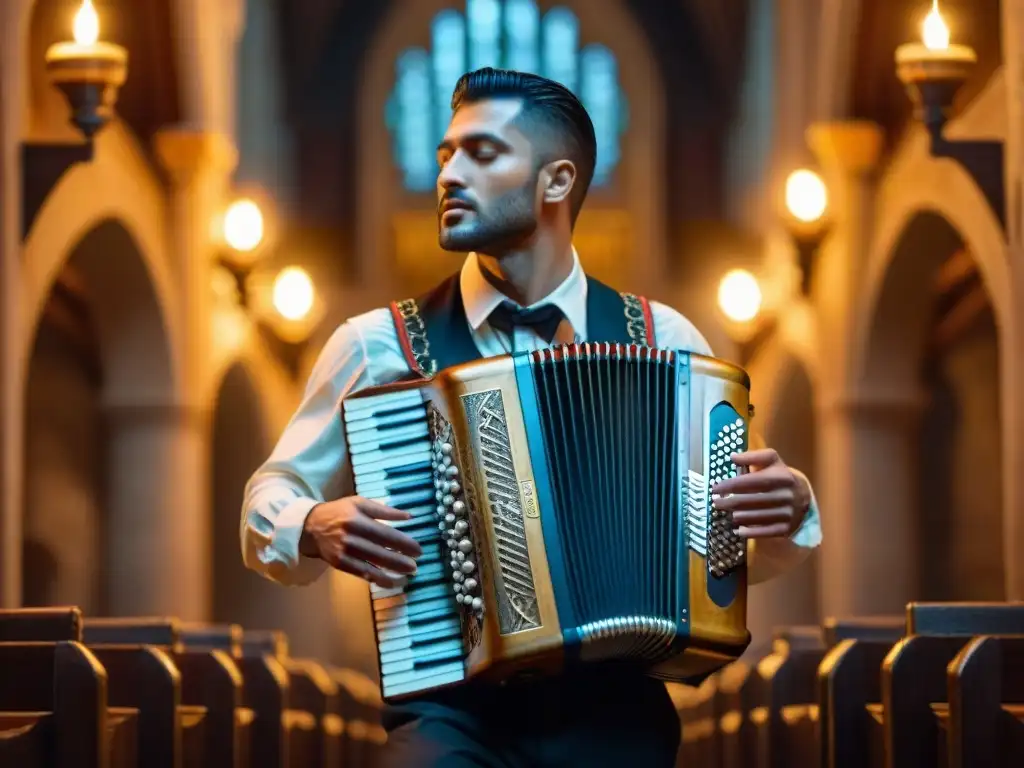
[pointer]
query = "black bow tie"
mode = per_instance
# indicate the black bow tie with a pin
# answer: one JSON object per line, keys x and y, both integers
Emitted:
{"x": 544, "y": 319}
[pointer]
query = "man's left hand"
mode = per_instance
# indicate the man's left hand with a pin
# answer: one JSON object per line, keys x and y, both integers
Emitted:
{"x": 768, "y": 501}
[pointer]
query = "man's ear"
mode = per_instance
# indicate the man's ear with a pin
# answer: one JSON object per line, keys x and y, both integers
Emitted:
{"x": 559, "y": 178}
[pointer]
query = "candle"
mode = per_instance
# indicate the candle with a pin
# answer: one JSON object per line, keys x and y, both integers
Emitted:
{"x": 934, "y": 47}
{"x": 87, "y": 49}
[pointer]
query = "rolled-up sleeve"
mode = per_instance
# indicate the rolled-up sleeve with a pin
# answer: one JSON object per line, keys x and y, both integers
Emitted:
{"x": 305, "y": 467}
{"x": 766, "y": 558}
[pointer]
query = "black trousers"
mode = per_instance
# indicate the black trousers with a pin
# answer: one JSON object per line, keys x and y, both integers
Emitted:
{"x": 603, "y": 720}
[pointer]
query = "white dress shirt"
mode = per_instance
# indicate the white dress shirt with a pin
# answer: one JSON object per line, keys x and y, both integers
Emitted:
{"x": 308, "y": 464}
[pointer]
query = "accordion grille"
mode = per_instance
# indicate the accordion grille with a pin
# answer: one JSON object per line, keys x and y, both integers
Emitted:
{"x": 609, "y": 421}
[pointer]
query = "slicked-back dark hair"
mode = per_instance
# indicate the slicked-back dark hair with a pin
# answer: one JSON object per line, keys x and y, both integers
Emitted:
{"x": 546, "y": 105}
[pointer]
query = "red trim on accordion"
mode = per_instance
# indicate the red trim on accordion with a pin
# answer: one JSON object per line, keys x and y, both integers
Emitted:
{"x": 648, "y": 321}
{"x": 403, "y": 338}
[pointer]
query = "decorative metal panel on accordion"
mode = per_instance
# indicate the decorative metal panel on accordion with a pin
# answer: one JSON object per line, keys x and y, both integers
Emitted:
{"x": 562, "y": 501}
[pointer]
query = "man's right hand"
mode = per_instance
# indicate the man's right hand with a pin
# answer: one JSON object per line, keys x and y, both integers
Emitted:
{"x": 348, "y": 534}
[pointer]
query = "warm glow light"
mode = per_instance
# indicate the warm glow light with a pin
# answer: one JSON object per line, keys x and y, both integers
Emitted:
{"x": 739, "y": 296}
{"x": 293, "y": 293}
{"x": 87, "y": 24}
{"x": 806, "y": 196}
{"x": 243, "y": 225}
{"x": 935, "y": 33}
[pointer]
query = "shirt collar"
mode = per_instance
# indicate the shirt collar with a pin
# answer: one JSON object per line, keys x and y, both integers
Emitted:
{"x": 480, "y": 297}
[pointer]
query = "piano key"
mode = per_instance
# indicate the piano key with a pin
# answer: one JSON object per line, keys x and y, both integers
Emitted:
{"x": 432, "y": 677}
{"x": 422, "y": 656}
{"x": 380, "y": 437}
{"x": 385, "y": 457}
{"x": 386, "y": 401}
{"x": 386, "y": 420}
{"x": 389, "y": 472}
{"x": 410, "y": 635}
{"x": 400, "y": 609}
{"x": 404, "y": 483}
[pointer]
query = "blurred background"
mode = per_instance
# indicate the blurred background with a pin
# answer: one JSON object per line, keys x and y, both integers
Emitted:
{"x": 195, "y": 194}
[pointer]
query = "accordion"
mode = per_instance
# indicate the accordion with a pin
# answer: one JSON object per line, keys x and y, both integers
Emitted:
{"x": 562, "y": 500}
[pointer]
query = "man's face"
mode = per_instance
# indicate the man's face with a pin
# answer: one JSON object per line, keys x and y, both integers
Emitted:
{"x": 487, "y": 187}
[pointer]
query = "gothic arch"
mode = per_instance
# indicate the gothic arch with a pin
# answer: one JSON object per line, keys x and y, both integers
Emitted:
{"x": 97, "y": 376}
{"x": 407, "y": 23}
{"x": 116, "y": 185}
{"x": 926, "y": 198}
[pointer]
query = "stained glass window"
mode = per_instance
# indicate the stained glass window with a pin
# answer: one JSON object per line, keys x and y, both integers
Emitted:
{"x": 499, "y": 33}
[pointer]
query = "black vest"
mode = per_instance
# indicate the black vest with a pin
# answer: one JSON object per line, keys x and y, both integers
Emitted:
{"x": 435, "y": 335}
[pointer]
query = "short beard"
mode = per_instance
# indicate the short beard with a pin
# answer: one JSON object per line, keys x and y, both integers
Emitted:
{"x": 505, "y": 223}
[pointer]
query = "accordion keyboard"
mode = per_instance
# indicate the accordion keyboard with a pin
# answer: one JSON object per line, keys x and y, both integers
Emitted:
{"x": 418, "y": 625}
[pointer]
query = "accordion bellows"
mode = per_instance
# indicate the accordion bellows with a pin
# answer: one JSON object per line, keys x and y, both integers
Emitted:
{"x": 562, "y": 500}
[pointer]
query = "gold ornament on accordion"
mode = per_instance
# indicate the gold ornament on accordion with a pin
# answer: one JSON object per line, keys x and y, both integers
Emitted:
{"x": 563, "y": 502}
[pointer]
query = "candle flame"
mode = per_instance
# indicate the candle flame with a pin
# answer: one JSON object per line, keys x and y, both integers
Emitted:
{"x": 935, "y": 31}
{"x": 87, "y": 24}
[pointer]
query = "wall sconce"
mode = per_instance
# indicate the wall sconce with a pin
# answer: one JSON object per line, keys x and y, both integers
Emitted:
{"x": 89, "y": 73}
{"x": 932, "y": 72}
{"x": 283, "y": 306}
{"x": 806, "y": 208}
{"x": 740, "y": 301}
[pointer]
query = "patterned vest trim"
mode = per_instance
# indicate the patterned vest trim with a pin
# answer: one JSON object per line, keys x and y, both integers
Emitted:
{"x": 434, "y": 334}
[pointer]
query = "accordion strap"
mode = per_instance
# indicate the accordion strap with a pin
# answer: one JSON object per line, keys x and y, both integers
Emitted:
{"x": 639, "y": 322}
{"x": 434, "y": 335}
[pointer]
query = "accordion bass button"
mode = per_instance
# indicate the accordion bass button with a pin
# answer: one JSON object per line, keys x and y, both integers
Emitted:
{"x": 466, "y": 546}
{"x": 446, "y": 449}
{"x": 468, "y": 567}
{"x": 459, "y": 507}
{"x": 470, "y": 583}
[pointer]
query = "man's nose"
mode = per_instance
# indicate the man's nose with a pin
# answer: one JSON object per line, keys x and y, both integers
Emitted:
{"x": 450, "y": 176}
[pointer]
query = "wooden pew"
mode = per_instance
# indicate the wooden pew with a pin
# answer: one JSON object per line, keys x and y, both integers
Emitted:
{"x": 280, "y": 735}
{"x": 141, "y": 679}
{"x": 785, "y": 715}
{"x": 312, "y": 691}
{"x": 698, "y": 710}
{"x": 849, "y": 681}
{"x": 53, "y": 710}
{"x": 986, "y": 704}
{"x": 914, "y": 675}
{"x": 738, "y": 686}
{"x": 361, "y": 709}
{"x": 210, "y": 683}
{"x": 170, "y": 734}
{"x": 49, "y": 625}
{"x": 794, "y": 716}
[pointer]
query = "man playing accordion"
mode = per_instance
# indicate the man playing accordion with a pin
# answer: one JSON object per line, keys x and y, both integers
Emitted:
{"x": 515, "y": 165}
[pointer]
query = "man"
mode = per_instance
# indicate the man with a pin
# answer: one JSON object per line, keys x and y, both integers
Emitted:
{"x": 515, "y": 165}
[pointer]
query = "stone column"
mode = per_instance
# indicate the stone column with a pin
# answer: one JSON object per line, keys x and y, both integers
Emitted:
{"x": 1012, "y": 337}
{"x": 12, "y": 333}
{"x": 867, "y": 494}
{"x": 855, "y": 436}
{"x": 172, "y": 536}
{"x": 158, "y": 528}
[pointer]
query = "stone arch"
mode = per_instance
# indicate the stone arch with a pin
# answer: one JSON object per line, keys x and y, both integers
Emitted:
{"x": 244, "y": 430}
{"x": 407, "y": 23}
{"x": 117, "y": 185}
{"x": 957, "y": 396}
{"x": 783, "y": 390}
{"x": 98, "y": 359}
{"x": 918, "y": 185}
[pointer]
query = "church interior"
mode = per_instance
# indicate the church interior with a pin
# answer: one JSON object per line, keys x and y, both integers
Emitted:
{"x": 195, "y": 194}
